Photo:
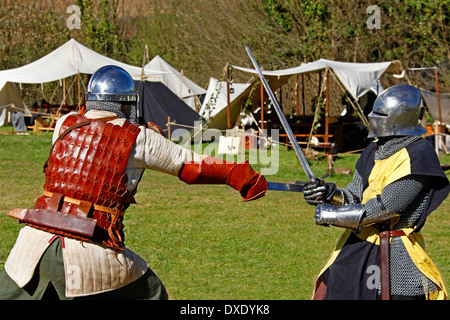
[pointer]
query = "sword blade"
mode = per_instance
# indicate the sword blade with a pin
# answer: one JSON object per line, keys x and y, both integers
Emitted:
{"x": 300, "y": 155}
{"x": 283, "y": 186}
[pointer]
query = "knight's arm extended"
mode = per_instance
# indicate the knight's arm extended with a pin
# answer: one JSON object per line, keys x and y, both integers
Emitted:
{"x": 393, "y": 201}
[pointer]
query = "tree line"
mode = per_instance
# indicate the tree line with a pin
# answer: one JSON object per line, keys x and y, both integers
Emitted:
{"x": 201, "y": 36}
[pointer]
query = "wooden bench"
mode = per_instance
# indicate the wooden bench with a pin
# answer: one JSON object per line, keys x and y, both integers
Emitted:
{"x": 39, "y": 124}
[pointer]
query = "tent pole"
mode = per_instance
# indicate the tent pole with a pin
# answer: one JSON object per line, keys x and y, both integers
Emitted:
{"x": 262, "y": 106}
{"x": 197, "y": 104}
{"x": 436, "y": 141}
{"x": 228, "y": 96}
{"x": 181, "y": 84}
{"x": 243, "y": 142}
{"x": 281, "y": 96}
{"x": 296, "y": 94}
{"x": 438, "y": 126}
{"x": 316, "y": 111}
{"x": 397, "y": 70}
{"x": 168, "y": 127}
{"x": 327, "y": 123}
{"x": 406, "y": 74}
{"x": 303, "y": 95}
{"x": 79, "y": 92}
{"x": 327, "y": 106}
{"x": 144, "y": 62}
{"x": 64, "y": 91}
{"x": 437, "y": 93}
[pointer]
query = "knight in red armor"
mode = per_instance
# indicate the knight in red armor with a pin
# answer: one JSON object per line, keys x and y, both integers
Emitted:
{"x": 72, "y": 244}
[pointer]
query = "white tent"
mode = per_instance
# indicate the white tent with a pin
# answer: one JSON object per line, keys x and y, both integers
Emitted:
{"x": 69, "y": 59}
{"x": 357, "y": 78}
{"x": 215, "y": 105}
{"x": 179, "y": 84}
{"x": 10, "y": 102}
{"x": 216, "y": 97}
{"x": 433, "y": 104}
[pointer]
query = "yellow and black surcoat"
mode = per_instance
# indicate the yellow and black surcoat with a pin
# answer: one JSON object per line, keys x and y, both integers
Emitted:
{"x": 349, "y": 272}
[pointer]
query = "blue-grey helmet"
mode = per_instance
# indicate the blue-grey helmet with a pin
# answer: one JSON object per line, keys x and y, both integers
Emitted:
{"x": 111, "y": 83}
{"x": 396, "y": 112}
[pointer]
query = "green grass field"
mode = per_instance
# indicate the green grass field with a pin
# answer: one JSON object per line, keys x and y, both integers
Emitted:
{"x": 204, "y": 242}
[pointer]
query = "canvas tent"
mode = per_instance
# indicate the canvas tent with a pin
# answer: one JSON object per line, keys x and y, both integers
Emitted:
{"x": 431, "y": 100}
{"x": 157, "y": 103}
{"x": 68, "y": 60}
{"x": 10, "y": 102}
{"x": 356, "y": 78}
{"x": 176, "y": 81}
{"x": 215, "y": 102}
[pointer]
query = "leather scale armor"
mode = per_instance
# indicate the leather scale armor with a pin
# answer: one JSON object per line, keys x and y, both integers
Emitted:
{"x": 86, "y": 177}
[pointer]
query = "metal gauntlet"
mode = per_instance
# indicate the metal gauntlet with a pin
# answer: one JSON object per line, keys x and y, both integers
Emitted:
{"x": 344, "y": 217}
{"x": 350, "y": 216}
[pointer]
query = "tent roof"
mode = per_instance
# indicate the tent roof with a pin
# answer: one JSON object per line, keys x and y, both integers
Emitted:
{"x": 431, "y": 100}
{"x": 214, "y": 108}
{"x": 173, "y": 79}
{"x": 216, "y": 96}
{"x": 357, "y": 78}
{"x": 67, "y": 60}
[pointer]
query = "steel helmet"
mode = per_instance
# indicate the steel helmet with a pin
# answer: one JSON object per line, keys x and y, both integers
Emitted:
{"x": 111, "y": 83}
{"x": 396, "y": 112}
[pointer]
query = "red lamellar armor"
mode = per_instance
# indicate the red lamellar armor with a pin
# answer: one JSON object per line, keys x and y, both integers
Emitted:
{"x": 86, "y": 177}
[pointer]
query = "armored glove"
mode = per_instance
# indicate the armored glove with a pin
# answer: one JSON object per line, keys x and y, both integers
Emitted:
{"x": 348, "y": 216}
{"x": 317, "y": 192}
{"x": 242, "y": 177}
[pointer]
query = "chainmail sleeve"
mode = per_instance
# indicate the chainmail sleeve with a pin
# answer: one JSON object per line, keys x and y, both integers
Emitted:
{"x": 354, "y": 190}
{"x": 405, "y": 196}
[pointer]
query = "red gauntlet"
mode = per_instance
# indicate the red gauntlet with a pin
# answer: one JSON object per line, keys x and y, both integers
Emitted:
{"x": 242, "y": 177}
